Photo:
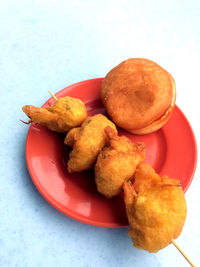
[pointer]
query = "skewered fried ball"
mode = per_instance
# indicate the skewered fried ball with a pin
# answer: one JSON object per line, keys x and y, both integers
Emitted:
{"x": 87, "y": 141}
{"x": 116, "y": 163}
{"x": 66, "y": 113}
{"x": 156, "y": 209}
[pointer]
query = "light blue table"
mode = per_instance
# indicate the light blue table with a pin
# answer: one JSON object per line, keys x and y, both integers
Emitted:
{"x": 47, "y": 45}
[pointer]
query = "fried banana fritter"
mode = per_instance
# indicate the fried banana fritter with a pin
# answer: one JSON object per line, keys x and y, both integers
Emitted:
{"x": 156, "y": 209}
{"x": 116, "y": 163}
{"x": 87, "y": 141}
{"x": 63, "y": 115}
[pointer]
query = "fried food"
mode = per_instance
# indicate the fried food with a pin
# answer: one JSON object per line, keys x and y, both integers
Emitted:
{"x": 63, "y": 115}
{"x": 139, "y": 95}
{"x": 87, "y": 142}
{"x": 116, "y": 163}
{"x": 156, "y": 209}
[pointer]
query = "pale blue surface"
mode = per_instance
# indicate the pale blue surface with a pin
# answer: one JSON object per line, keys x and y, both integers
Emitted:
{"x": 49, "y": 44}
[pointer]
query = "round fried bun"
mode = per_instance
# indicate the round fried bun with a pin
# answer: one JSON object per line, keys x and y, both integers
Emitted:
{"x": 139, "y": 95}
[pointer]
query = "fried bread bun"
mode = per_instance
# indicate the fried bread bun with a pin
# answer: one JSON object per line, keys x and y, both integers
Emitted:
{"x": 139, "y": 95}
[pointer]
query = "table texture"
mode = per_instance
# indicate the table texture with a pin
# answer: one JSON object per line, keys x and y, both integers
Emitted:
{"x": 48, "y": 45}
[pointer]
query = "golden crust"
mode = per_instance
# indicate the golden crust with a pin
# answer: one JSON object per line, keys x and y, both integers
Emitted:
{"x": 157, "y": 124}
{"x": 87, "y": 142}
{"x": 117, "y": 163}
{"x": 63, "y": 115}
{"x": 136, "y": 93}
{"x": 156, "y": 209}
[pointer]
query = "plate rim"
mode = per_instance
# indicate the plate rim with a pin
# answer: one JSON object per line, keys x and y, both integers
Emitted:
{"x": 195, "y": 149}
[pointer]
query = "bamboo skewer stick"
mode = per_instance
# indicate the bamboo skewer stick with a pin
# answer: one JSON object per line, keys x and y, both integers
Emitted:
{"x": 183, "y": 253}
{"x": 52, "y": 95}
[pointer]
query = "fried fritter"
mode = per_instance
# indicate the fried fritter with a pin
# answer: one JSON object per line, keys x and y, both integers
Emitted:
{"x": 156, "y": 209}
{"x": 63, "y": 115}
{"x": 87, "y": 142}
{"x": 116, "y": 163}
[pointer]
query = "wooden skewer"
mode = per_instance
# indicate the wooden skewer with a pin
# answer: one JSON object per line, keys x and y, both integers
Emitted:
{"x": 183, "y": 253}
{"x": 53, "y": 95}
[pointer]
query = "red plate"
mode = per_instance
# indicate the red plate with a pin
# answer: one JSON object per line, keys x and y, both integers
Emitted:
{"x": 171, "y": 151}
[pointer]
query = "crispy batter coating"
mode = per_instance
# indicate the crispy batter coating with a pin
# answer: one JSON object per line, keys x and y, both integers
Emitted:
{"x": 156, "y": 209}
{"x": 87, "y": 142}
{"x": 116, "y": 163}
{"x": 63, "y": 115}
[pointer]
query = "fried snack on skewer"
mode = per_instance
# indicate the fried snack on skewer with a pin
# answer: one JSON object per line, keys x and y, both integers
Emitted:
{"x": 116, "y": 163}
{"x": 63, "y": 115}
{"x": 156, "y": 209}
{"x": 87, "y": 141}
